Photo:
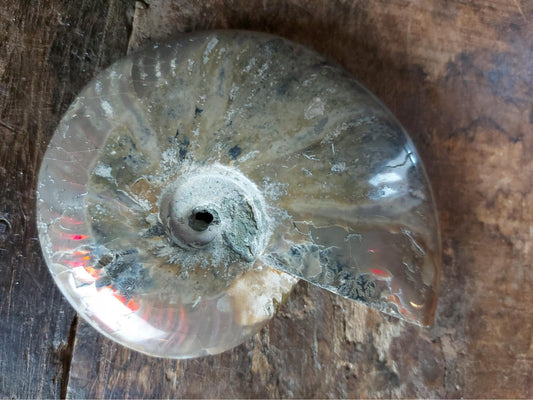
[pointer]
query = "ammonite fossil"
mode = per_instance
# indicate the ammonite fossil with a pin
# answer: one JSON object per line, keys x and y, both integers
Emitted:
{"x": 190, "y": 185}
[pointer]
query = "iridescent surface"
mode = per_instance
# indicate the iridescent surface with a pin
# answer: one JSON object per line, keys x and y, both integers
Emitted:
{"x": 190, "y": 183}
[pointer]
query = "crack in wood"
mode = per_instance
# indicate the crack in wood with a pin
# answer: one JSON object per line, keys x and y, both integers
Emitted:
{"x": 66, "y": 354}
{"x": 9, "y": 127}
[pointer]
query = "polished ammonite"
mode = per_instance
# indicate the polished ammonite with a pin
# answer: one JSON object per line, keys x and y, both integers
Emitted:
{"x": 191, "y": 184}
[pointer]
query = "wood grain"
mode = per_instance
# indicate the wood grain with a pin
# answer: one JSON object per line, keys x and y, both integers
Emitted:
{"x": 457, "y": 74}
{"x": 48, "y": 51}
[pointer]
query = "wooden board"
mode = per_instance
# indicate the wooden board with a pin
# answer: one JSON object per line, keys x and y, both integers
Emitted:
{"x": 48, "y": 51}
{"x": 457, "y": 75}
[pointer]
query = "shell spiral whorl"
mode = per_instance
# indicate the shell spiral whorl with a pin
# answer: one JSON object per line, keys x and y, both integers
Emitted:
{"x": 191, "y": 184}
{"x": 216, "y": 206}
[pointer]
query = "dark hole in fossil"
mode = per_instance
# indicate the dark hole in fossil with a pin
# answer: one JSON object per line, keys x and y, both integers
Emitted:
{"x": 200, "y": 220}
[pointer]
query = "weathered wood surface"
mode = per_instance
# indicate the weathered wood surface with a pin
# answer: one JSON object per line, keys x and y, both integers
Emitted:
{"x": 48, "y": 51}
{"x": 457, "y": 74}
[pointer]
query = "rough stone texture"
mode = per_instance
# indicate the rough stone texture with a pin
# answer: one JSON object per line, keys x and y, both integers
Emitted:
{"x": 457, "y": 75}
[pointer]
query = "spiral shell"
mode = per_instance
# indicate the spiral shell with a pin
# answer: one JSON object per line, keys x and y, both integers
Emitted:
{"x": 190, "y": 185}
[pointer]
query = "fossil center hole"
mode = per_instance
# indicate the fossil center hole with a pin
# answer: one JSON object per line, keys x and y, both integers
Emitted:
{"x": 200, "y": 220}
